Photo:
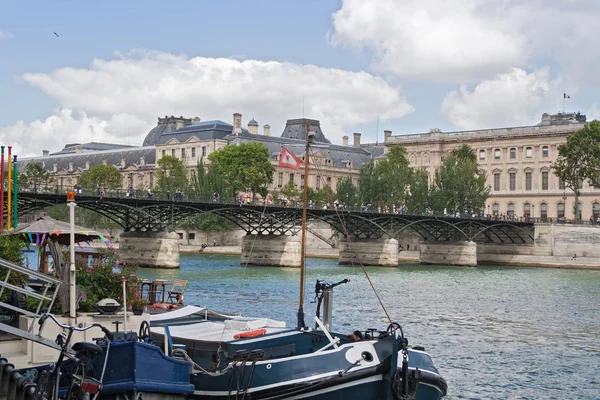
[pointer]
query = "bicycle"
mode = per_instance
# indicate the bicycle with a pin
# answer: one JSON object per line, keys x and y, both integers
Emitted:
{"x": 80, "y": 385}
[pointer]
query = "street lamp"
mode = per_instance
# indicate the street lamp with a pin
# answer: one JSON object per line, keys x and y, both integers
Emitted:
{"x": 488, "y": 210}
{"x": 533, "y": 211}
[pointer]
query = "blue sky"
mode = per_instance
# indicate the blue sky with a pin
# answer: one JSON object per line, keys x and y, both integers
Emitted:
{"x": 416, "y": 64}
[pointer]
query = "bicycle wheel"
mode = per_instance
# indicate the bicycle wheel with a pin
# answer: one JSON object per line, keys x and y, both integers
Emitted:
{"x": 44, "y": 386}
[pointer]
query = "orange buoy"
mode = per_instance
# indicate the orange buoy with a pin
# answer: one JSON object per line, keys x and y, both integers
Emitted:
{"x": 250, "y": 334}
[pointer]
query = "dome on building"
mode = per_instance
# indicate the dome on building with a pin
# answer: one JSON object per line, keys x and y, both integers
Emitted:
{"x": 252, "y": 122}
{"x": 296, "y": 129}
{"x": 166, "y": 125}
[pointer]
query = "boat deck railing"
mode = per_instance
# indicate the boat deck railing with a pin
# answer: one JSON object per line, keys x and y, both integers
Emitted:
{"x": 45, "y": 298}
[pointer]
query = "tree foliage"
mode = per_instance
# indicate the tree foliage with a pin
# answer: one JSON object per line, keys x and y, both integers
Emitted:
{"x": 458, "y": 184}
{"x": 34, "y": 176}
{"x": 346, "y": 192}
{"x": 291, "y": 191}
{"x": 101, "y": 176}
{"x": 579, "y": 159}
{"x": 418, "y": 200}
{"x": 206, "y": 222}
{"x": 387, "y": 182}
{"x": 206, "y": 180}
{"x": 245, "y": 166}
{"x": 170, "y": 174}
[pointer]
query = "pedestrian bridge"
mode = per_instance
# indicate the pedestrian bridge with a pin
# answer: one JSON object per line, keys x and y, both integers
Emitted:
{"x": 278, "y": 226}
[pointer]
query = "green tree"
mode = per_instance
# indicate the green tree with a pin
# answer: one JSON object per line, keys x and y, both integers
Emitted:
{"x": 325, "y": 195}
{"x": 170, "y": 175}
{"x": 458, "y": 184}
{"x": 34, "y": 174}
{"x": 291, "y": 192}
{"x": 393, "y": 177}
{"x": 245, "y": 166}
{"x": 346, "y": 192}
{"x": 418, "y": 199}
{"x": 579, "y": 159}
{"x": 101, "y": 176}
{"x": 368, "y": 191}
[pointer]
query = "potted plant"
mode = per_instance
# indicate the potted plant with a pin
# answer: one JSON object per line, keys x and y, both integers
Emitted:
{"x": 137, "y": 305}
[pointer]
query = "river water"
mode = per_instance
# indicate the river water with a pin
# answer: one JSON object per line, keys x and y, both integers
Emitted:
{"x": 493, "y": 332}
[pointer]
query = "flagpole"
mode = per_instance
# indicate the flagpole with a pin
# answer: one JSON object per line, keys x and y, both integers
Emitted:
{"x": 2, "y": 192}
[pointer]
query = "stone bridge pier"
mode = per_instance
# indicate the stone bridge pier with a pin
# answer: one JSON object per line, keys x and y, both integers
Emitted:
{"x": 270, "y": 250}
{"x": 381, "y": 252}
{"x": 463, "y": 253}
{"x": 150, "y": 249}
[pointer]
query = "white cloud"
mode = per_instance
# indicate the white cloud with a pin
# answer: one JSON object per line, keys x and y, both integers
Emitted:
{"x": 150, "y": 84}
{"x": 511, "y": 99}
{"x": 593, "y": 112}
{"x": 66, "y": 126}
{"x": 5, "y": 35}
{"x": 471, "y": 40}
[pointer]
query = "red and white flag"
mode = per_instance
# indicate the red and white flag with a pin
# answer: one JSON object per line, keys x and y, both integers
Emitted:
{"x": 287, "y": 159}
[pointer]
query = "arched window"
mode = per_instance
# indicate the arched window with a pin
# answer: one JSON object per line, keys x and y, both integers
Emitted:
{"x": 529, "y": 152}
{"x": 497, "y": 154}
{"x": 482, "y": 154}
{"x": 513, "y": 153}
{"x": 545, "y": 151}
{"x": 561, "y": 210}
{"x": 510, "y": 211}
{"x": 496, "y": 209}
{"x": 544, "y": 211}
{"x": 527, "y": 210}
{"x": 596, "y": 211}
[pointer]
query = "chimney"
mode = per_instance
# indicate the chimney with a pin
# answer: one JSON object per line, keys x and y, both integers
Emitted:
{"x": 179, "y": 122}
{"x": 45, "y": 153}
{"x": 267, "y": 130}
{"x": 345, "y": 140}
{"x": 356, "y": 139}
{"x": 142, "y": 161}
{"x": 237, "y": 124}
{"x": 70, "y": 167}
{"x": 386, "y": 136}
{"x": 87, "y": 165}
{"x": 253, "y": 127}
{"x": 77, "y": 149}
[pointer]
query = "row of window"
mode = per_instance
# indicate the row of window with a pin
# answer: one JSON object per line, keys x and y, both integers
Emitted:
{"x": 293, "y": 177}
{"x": 513, "y": 153}
{"x": 512, "y": 181}
{"x": 528, "y": 209}
{"x": 183, "y": 152}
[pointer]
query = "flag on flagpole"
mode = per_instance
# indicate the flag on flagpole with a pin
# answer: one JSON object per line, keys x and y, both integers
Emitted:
{"x": 287, "y": 159}
{"x": 566, "y": 96}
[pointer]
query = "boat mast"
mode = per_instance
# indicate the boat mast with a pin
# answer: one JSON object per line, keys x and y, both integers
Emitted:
{"x": 303, "y": 242}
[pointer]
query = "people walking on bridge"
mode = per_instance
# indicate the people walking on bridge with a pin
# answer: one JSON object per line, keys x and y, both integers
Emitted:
{"x": 150, "y": 194}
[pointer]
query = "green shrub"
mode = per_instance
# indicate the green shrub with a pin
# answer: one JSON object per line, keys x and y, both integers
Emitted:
{"x": 104, "y": 280}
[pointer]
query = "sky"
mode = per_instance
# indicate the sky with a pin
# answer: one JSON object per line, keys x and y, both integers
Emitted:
{"x": 74, "y": 71}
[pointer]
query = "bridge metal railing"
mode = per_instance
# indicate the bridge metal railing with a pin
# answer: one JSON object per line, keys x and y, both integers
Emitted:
{"x": 281, "y": 202}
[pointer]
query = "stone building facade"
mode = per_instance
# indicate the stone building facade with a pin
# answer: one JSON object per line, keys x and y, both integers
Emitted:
{"x": 517, "y": 162}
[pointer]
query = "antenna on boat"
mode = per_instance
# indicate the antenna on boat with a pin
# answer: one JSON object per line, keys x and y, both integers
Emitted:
{"x": 308, "y": 140}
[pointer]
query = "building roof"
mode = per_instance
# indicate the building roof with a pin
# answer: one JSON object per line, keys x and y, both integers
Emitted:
{"x": 130, "y": 156}
{"x": 296, "y": 129}
{"x": 92, "y": 146}
{"x": 339, "y": 155}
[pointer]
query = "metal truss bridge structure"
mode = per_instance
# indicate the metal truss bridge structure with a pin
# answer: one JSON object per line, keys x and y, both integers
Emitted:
{"x": 159, "y": 215}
